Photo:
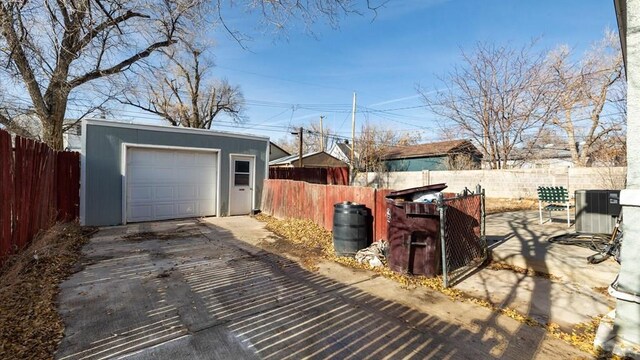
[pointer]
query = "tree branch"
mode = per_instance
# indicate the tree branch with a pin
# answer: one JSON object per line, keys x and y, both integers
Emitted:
{"x": 123, "y": 65}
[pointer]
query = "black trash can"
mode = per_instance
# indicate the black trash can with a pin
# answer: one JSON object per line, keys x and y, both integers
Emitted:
{"x": 350, "y": 228}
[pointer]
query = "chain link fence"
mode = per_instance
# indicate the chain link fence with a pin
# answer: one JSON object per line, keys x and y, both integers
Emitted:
{"x": 462, "y": 235}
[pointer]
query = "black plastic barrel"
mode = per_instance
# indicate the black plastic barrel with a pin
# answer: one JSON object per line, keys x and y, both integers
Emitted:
{"x": 350, "y": 228}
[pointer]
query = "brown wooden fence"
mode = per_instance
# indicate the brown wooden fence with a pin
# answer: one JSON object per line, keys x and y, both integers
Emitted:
{"x": 298, "y": 199}
{"x": 331, "y": 176}
{"x": 38, "y": 186}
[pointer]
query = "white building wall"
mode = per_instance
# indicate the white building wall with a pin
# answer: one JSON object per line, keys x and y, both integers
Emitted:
{"x": 517, "y": 183}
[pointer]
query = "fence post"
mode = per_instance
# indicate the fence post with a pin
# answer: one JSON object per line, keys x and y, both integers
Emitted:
{"x": 442, "y": 209}
{"x": 483, "y": 237}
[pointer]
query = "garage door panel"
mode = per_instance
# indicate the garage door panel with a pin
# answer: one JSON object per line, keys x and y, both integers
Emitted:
{"x": 138, "y": 158}
{"x": 166, "y": 184}
{"x": 163, "y": 193}
{"x": 141, "y": 193}
{"x": 164, "y": 210}
{"x": 160, "y": 157}
{"x": 187, "y": 193}
{"x": 187, "y": 209}
{"x": 186, "y": 159}
{"x": 140, "y": 212}
{"x": 205, "y": 191}
{"x": 206, "y": 208}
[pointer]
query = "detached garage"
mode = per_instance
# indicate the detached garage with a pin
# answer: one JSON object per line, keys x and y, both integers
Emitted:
{"x": 134, "y": 173}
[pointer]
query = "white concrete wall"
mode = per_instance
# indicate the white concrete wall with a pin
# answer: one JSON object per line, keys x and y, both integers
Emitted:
{"x": 516, "y": 183}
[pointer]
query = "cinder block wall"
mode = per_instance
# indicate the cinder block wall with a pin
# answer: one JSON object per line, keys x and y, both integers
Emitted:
{"x": 512, "y": 183}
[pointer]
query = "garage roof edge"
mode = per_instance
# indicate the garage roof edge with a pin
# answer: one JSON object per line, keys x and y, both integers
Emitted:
{"x": 114, "y": 123}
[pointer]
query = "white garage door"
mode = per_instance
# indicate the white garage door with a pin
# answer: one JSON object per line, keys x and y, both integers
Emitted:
{"x": 170, "y": 184}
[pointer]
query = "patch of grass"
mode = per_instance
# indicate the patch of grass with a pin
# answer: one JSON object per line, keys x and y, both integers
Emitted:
{"x": 30, "y": 327}
{"x": 500, "y": 205}
{"x": 311, "y": 243}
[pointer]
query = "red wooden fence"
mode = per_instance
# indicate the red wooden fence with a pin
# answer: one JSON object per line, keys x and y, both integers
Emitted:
{"x": 38, "y": 186}
{"x": 297, "y": 199}
{"x": 331, "y": 176}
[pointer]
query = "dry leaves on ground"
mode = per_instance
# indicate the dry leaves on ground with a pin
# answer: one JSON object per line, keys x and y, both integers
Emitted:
{"x": 312, "y": 243}
{"x": 30, "y": 327}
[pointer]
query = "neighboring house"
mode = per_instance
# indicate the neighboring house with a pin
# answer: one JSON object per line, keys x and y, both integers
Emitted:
{"x": 133, "y": 172}
{"x": 276, "y": 152}
{"x": 342, "y": 151}
{"x": 320, "y": 159}
{"x": 441, "y": 155}
{"x": 72, "y": 138}
{"x": 32, "y": 128}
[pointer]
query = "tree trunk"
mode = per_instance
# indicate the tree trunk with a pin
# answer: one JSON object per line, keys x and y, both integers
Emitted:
{"x": 52, "y": 124}
{"x": 52, "y": 131}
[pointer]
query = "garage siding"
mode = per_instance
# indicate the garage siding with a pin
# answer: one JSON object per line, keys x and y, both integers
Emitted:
{"x": 102, "y": 156}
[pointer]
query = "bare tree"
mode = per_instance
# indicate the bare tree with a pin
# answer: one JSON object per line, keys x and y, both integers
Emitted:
{"x": 317, "y": 138}
{"x": 498, "y": 98}
{"x": 461, "y": 161}
{"x": 374, "y": 142}
{"x": 288, "y": 144}
{"x": 584, "y": 89}
{"x": 183, "y": 93}
{"x": 54, "y": 50}
{"x": 279, "y": 15}
{"x": 312, "y": 138}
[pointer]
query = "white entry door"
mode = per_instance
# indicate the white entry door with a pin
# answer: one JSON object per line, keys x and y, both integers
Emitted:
{"x": 242, "y": 181}
{"x": 170, "y": 183}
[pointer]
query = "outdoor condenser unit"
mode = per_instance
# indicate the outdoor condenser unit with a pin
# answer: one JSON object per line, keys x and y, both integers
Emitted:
{"x": 597, "y": 210}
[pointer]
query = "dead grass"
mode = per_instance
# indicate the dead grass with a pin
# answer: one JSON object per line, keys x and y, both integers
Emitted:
{"x": 30, "y": 327}
{"x": 312, "y": 243}
{"x": 500, "y": 205}
{"x": 494, "y": 265}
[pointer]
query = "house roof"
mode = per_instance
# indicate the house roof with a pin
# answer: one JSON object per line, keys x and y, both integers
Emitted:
{"x": 431, "y": 149}
{"x": 293, "y": 158}
{"x": 279, "y": 148}
{"x": 345, "y": 148}
{"x": 166, "y": 128}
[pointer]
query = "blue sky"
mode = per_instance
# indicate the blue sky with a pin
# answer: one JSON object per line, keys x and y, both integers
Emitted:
{"x": 294, "y": 78}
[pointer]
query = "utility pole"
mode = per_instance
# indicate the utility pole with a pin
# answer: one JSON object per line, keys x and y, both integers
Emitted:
{"x": 353, "y": 136}
{"x": 321, "y": 134}
{"x": 299, "y": 133}
{"x": 300, "y": 148}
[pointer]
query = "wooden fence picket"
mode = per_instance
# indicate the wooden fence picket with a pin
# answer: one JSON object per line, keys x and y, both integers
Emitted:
{"x": 37, "y": 187}
{"x": 6, "y": 193}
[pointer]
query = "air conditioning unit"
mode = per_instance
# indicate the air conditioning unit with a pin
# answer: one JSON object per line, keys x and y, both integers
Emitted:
{"x": 597, "y": 210}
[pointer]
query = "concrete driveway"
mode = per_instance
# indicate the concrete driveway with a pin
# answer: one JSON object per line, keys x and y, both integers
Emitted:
{"x": 200, "y": 290}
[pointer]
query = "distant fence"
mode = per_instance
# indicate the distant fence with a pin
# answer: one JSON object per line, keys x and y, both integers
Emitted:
{"x": 301, "y": 200}
{"x": 506, "y": 183}
{"x": 37, "y": 187}
{"x": 330, "y": 176}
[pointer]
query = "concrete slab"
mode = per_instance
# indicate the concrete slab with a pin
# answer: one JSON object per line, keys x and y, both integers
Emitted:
{"x": 519, "y": 239}
{"x": 577, "y": 292}
{"x": 207, "y": 292}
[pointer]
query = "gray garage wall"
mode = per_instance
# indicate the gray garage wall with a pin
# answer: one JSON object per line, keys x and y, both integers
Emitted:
{"x": 102, "y": 153}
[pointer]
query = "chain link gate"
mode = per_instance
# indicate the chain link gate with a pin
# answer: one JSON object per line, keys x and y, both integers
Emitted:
{"x": 462, "y": 234}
